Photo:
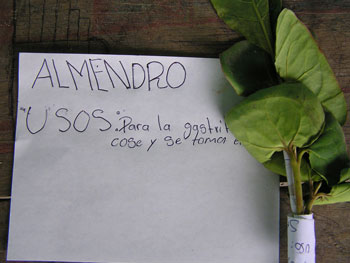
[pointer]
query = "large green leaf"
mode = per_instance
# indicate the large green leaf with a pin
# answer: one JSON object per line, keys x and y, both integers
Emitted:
{"x": 298, "y": 58}
{"x": 339, "y": 193}
{"x": 271, "y": 119}
{"x": 248, "y": 68}
{"x": 248, "y": 17}
{"x": 328, "y": 155}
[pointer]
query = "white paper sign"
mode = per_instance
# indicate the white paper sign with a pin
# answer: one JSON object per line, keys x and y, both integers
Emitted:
{"x": 128, "y": 159}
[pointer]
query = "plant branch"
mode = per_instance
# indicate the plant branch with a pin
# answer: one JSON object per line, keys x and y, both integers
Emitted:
{"x": 301, "y": 155}
{"x": 311, "y": 202}
{"x": 318, "y": 187}
{"x": 314, "y": 196}
{"x": 295, "y": 164}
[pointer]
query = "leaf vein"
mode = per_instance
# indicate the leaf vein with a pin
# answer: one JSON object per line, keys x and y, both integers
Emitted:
{"x": 286, "y": 38}
{"x": 263, "y": 27}
{"x": 275, "y": 128}
{"x": 341, "y": 193}
{"x": 330, "y": 98}
{"x": 307, "y": 72}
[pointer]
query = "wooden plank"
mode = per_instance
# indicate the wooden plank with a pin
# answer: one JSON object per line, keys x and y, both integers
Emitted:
{"x": 162, "y": 27}
{"x": 48, "y": 32}
{"x": 36, "y": 14}
{"x": 4, "y": 219}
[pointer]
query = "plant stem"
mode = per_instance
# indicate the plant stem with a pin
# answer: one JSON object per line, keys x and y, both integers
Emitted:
{"x": 295, "y": 164}
{"x": 315, "y": 195}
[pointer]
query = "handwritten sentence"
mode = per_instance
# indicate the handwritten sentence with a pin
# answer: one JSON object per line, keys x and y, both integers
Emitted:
{"x": 102, "y": 75}
{"x": 131, "y": 133}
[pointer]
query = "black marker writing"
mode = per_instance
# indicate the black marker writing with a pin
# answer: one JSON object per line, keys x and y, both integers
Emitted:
{"x": 129, "y": 125}
{"x": 27, "y": 122}
{"x": 109, "y": 125}
{"x": 95, "y": 70}
{"x": 157, "y": 76}
{"x": 130, "y": 143}
{"x": 165, "y": 127}
{"x": 57, "y": 77}
{"x": 81, "y": 120}
{"x": 176, "y": 77}
{"x": 152, "y": 142}
{"x": 47, "y": 75}
{"x": 133, "y": 66}
{"x": 108, "y": 68}
{"x": 58, "y": 115}
{"x": 302, "y": 248}
{"x": 171, "y": 142}
{"x": 123, "y": 131}
{"x": 293, "y": 225}
{"x": 107, "y": 75}
{"x": 80, "y": 73}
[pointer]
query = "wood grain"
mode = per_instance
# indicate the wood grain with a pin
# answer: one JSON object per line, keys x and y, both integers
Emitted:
{"x": 176, "y": 27}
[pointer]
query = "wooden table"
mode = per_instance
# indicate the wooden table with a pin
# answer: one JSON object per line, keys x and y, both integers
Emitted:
{"x": 173, "y": 27}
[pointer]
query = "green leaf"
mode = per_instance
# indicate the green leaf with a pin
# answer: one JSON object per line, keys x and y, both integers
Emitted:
{"x": 248, "y": 17}
{"x": 277, "y": 165}
{"x": 298, "y": 58}
{"x": 271, "y": 119}
{"x": 339, "y": 193}
{"x": 344, "y": 175}
{"x": 328, "y": 155}
{"x": 248, "y": 68}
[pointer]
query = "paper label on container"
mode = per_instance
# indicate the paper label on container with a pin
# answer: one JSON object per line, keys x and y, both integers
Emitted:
{"x": 301, "y": 239}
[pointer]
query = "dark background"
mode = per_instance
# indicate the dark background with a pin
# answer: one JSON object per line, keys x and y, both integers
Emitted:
{"x": 158, "y": 27}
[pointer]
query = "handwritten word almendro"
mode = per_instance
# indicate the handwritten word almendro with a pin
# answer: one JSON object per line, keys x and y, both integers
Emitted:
{"x": 102, "y": 75}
